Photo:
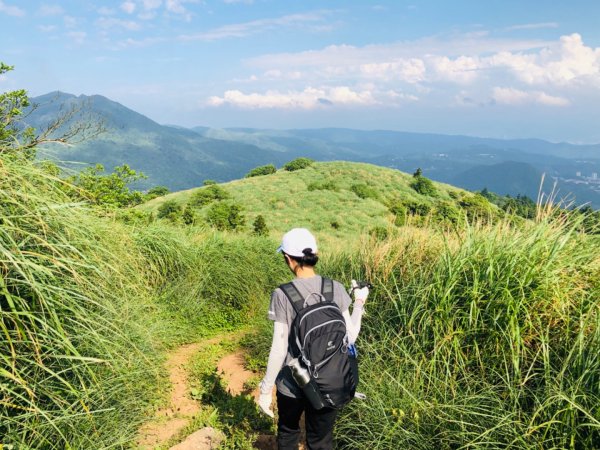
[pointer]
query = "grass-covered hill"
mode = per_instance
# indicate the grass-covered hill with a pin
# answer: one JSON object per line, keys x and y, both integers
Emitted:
{"x": 340, "y": 199}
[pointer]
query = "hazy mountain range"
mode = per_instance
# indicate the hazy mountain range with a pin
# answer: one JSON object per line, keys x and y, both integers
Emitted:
{"x": 181, "y": 158}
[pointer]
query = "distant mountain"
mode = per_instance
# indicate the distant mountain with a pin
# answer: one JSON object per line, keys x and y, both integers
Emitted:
{"x": 176, "y": 157}
{"x": 182, "y": 158}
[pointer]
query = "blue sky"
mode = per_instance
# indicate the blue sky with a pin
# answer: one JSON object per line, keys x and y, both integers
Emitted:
{"x": 506, "y": 69}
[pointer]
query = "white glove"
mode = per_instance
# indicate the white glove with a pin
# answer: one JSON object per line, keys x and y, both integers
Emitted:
{"x": 264, "y": 403}
{"x": 360, "y": 295}
{"x": 265, "y": 399}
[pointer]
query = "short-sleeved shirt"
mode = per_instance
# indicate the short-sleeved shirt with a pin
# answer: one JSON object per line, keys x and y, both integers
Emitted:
{"x": 281, "y": 310}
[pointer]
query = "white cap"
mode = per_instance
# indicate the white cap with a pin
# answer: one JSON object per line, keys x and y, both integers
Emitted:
{"x": 296, "y": 240}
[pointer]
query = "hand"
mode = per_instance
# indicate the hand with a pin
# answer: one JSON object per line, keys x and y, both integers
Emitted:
{"x": 264, "y": 404}
{"x": 360, "y": 295}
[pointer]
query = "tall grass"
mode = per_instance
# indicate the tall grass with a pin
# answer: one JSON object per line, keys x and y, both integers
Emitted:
{"x": 487, "y": 339}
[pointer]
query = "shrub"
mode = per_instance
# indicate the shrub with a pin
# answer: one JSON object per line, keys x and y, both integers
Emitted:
{"x": 477, "y": 208}
{"x": 207, "y": 195}
{"x": 262, "y": 170}
{"x": 363, "y": 191}
{"x": 446, "y": 212}
{"x": 323, "y": 186}
{"x": 169, "y": 210}
{"x": 423, "y": 186}
{"x": 260, "y": 226}
{"x": 188, "y": 215}
{"x": 225, "y": 216}
{"x": 417, "y": 208}
{"x": 208, "y": 182}
{"x": 157, "y": 191}
{"x": 298, "y": 163}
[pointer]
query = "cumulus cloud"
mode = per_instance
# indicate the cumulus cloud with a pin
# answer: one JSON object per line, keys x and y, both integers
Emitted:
{"x": 309, "y": 98}
{"x": 512, "y": 96}
{"x": 11, "y": 10}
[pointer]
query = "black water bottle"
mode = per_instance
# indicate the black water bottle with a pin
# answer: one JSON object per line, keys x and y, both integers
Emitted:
{"x": 307, "y": 384}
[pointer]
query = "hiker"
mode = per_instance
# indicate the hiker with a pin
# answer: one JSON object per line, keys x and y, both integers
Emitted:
{"x": 299, "y": 249}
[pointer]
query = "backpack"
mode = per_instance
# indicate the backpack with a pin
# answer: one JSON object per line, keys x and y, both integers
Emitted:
{"x": 318, "y": 338}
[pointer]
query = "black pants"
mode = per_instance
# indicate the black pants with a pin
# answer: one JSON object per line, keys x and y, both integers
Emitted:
{"x": 319, "y": 424}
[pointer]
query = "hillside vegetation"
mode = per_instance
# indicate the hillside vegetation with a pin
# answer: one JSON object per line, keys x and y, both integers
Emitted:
{"x": 481, "y": 331}
{"x": 340, "y": 199}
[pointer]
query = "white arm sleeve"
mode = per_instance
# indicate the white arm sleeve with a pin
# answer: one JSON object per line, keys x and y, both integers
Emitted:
{"x": 277, "y": 355}
{"x": 353, "y": 322}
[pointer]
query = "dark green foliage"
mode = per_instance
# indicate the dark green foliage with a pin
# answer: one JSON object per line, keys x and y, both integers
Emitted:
{"x": 107, "y": 189}
{"x": 169, "y": 210}
{"x": 417, "y": 208}
{"x": 157, "y": 191}
{"x": 477, "y": 208}
{"x": 418, "y": 173}
{"x": 521, "y": 205}
{"x": 297, "y": 164}
{"x": 225, "y": 215}
{"x": 188, "y": 216}
{"x": 208, "y": 182}
{"x": 364, "y": 191}
{"x": 262, "y": 170}
{"x": 447, "y": 213}
{"x": 379, "y": 233}
{"x": 422, "y": 185}
{"x": 208, "y": 195}
{"x": 260, "y": 226}
{"x": 14, "y": 140}
{"x": 323, "y": 186}
{"x": 335, "y": 225}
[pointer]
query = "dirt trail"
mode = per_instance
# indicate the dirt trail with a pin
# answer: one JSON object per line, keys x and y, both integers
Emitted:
{"x": 181, "y": 408}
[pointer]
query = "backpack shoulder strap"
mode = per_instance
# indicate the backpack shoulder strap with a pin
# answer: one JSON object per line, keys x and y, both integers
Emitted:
{"x": 327, "y": 289}
{"x": 293, "y": 295}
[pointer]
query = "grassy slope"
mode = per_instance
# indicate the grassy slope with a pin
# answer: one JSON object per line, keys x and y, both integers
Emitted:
{"x": 284, "y": 200}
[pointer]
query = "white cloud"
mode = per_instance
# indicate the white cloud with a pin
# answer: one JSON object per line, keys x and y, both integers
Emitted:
{"x": 248, "y": 2}
{"x": 512, "y": 96}
{"x": 111, "y": 22}
{"x": 254, "y": 27}
{"x": 78, "y": 37}
{"x": 151, "y": 4}
{"x": 410, "y": 70}
{"x": 128, "y": 6}
{"x": 309, "y": 98}
{"x": 47, "y": 28}
{"x": 11, "y": 10}
{"x": 461, "y": 70}
{"x": 50, "y": 10}
{"x": 533, "y": 26}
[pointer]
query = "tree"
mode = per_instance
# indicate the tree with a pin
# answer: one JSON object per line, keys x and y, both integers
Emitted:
{"x": 262, "y": 170}
{"x": 297, "y": 164}
{"x": 418, "y": 173}
{"x": 260, "y": 226}
{"x": 207, "y": 195}
{"x": 225, "y": 216}
{"x": 422, "y": 185}
{"x": 107, "y": 189}
{"x": 19, "y": 140}
{"x": 157, "y": 191}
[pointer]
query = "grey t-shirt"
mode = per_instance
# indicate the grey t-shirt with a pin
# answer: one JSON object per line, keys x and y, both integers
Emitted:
{"x": 281, "y": 310}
